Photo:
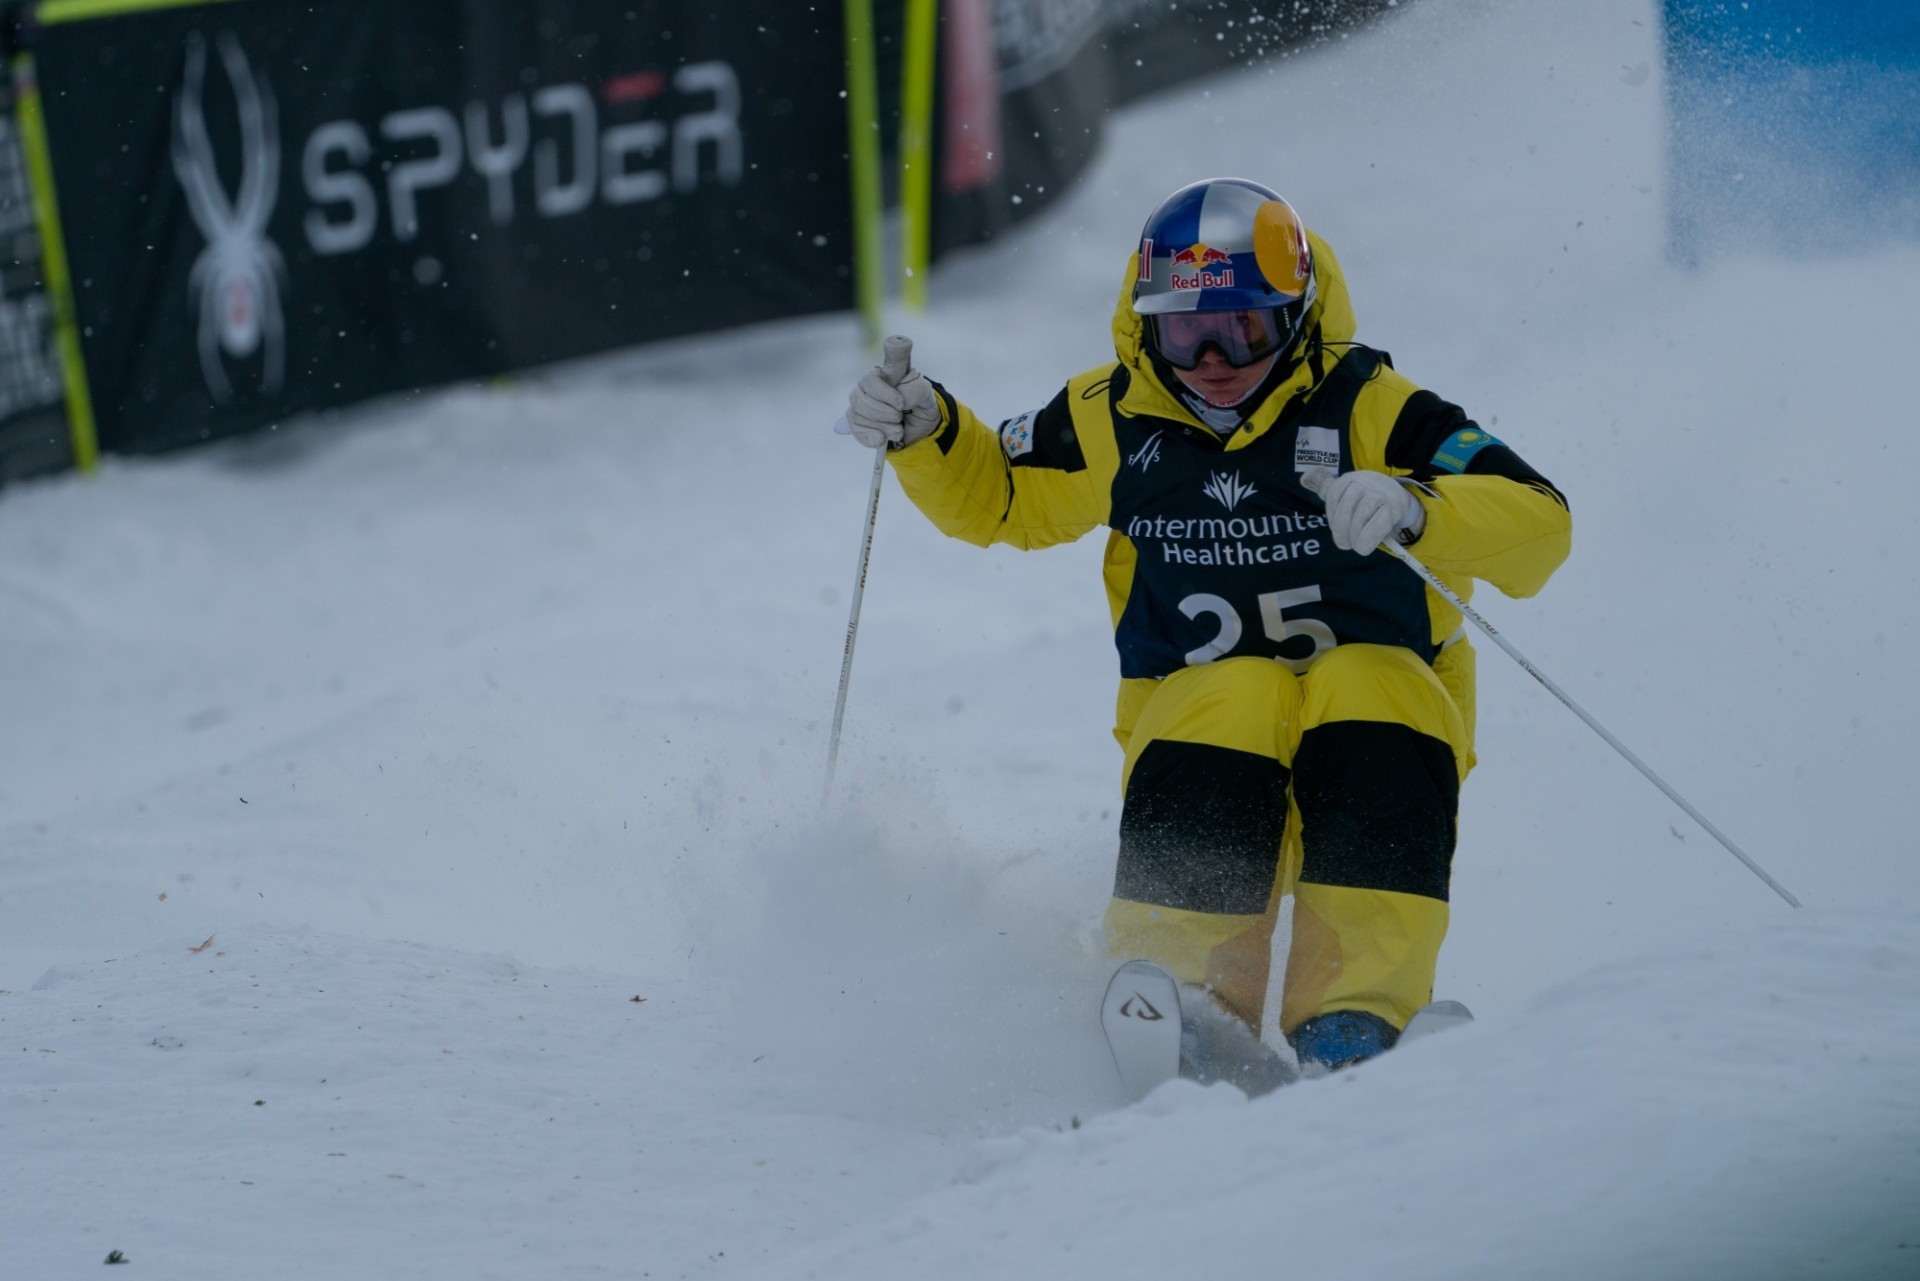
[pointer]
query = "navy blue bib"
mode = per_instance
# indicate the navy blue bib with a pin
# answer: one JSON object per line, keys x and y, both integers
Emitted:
{"x": 1232, "y": 552}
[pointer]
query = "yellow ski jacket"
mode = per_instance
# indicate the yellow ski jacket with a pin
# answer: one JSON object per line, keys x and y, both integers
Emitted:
{"x": 1214, "y": 547}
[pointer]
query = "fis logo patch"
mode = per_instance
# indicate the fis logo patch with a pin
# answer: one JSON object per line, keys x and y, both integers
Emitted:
{"x": 1316, "y": 447}
{"x": 1016, "y": 435}
{"x": 1148, "y": 454}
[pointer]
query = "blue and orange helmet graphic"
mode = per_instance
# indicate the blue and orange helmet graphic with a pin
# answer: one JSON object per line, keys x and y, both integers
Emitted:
{"x": 1224, "y": 244}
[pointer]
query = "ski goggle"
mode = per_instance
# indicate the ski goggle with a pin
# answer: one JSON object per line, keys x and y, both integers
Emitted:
{"x": 1242, "y": 337}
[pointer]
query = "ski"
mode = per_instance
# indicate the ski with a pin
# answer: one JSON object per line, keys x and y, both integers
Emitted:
{"x": 1141, "y": 1016}
{"x": 1157, "y": 1034}
{"x": 1435, "y": 1017}
{"x": 1154, "y": 1037}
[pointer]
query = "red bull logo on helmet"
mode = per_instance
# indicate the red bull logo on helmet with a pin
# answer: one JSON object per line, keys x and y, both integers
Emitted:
{"x": 1195, "y": 268}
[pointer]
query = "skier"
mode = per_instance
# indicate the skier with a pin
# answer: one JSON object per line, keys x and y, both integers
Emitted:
{"x": 1296, "y": 708}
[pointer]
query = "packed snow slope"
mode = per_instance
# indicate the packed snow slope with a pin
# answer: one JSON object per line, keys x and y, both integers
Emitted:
{"x": 411, "y": 853}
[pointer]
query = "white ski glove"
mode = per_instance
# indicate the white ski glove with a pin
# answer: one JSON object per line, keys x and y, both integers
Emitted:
{"x": 892, "y": 405}
{"x": 1364, "y": 508}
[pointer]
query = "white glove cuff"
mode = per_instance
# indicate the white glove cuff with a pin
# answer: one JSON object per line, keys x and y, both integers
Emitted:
{"x": 1414, "y": 523}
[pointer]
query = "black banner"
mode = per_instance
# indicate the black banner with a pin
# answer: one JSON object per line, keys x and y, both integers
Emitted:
{"x": 33, "y": 424}
{"x": 1026, "y": 85}
{"x": 272, "y": 206}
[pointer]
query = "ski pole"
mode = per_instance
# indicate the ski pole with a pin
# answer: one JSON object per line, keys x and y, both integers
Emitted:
{"x": 853, "y": 623}
{"x": 895, "y": 357}
{"x": 1453, "y": 598}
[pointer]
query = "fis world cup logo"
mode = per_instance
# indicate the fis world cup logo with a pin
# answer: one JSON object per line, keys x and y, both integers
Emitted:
{"x": 1200, "y": 261}
{"x": 235, "y": 284}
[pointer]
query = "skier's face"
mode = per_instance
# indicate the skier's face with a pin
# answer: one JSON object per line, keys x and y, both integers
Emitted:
{"x": 1219, "y": 383}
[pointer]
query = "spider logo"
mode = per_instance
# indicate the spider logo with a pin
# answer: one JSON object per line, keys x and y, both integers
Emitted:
{"x": 236, "y": 281}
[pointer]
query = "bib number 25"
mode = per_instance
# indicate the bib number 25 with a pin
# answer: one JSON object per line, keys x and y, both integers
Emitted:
{"x": 1273, "y": 621}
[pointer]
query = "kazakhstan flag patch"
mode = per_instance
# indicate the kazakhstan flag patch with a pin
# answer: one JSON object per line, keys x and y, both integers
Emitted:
{"x": 1457, "y": 450}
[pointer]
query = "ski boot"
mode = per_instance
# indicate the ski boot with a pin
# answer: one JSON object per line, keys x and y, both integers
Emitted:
{"x": 1340, "y": 1038}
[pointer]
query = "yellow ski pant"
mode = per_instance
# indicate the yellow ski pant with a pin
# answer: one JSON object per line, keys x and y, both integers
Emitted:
{"x": 1244, "y": 783}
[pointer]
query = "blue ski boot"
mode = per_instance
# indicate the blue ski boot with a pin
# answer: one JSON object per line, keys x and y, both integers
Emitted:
{"x": 1340, "y": 1038}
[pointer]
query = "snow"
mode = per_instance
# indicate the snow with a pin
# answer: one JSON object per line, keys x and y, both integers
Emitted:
{"x": 411, "y": 858}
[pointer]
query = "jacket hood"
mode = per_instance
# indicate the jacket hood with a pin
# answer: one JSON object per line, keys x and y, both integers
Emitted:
{"x": 1329, "y": 324}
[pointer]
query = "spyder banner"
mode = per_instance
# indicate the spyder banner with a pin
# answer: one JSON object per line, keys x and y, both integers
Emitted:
{"x": 271, "y": 206}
